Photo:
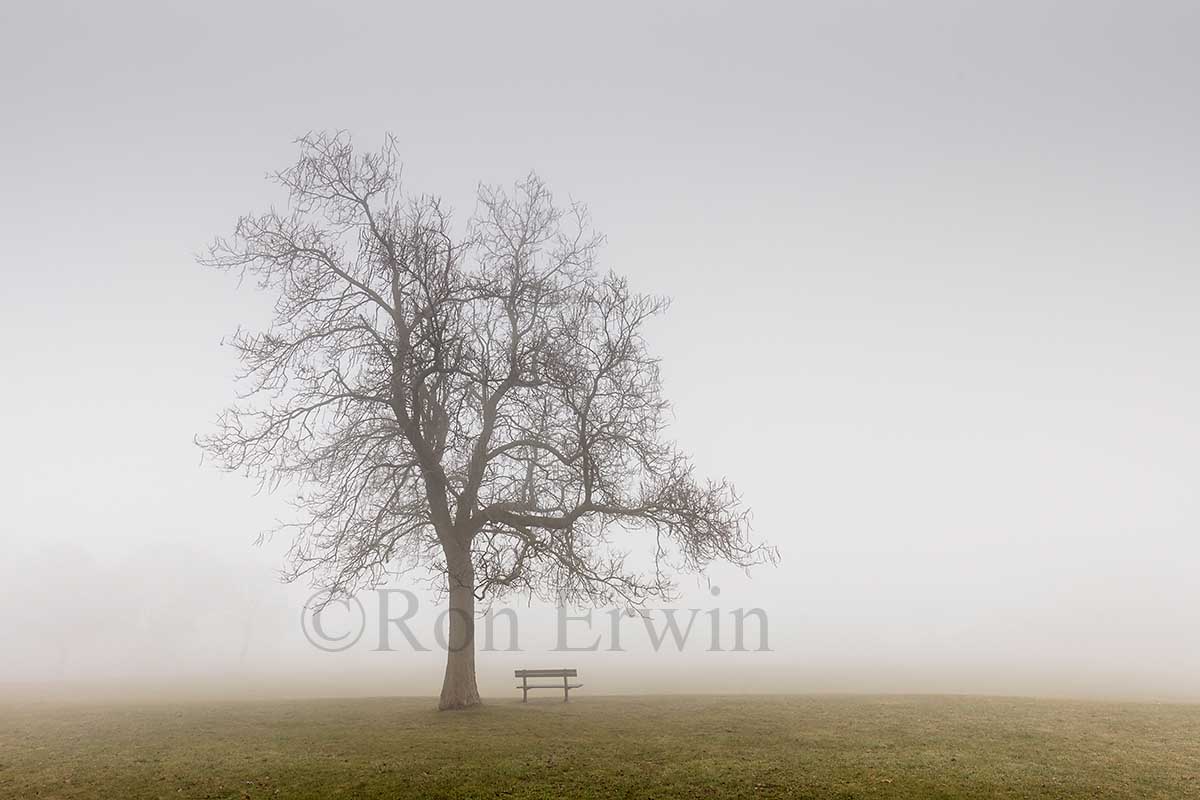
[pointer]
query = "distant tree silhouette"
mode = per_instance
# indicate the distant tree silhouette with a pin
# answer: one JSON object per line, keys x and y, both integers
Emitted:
{"x": 482, "y": 405}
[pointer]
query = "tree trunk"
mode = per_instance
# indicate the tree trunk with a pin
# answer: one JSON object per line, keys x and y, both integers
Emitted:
{"x": 458, "y": 687}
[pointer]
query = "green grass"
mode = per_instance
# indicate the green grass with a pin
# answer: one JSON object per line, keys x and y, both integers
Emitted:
{"x": 631, "y": 747}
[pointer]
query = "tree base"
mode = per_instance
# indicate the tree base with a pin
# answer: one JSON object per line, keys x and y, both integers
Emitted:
{"x": 456, "y": 704}
{"x": 459, "y": 689}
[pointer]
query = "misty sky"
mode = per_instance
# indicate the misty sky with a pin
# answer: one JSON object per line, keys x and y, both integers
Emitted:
{"x": 935, "y": 281}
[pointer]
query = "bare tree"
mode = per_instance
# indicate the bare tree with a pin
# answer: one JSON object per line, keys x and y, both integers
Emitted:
{"x": 482, "y": 405}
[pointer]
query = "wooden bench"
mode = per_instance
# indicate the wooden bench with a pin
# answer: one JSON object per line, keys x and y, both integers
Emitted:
{"x": 526, "y": 674}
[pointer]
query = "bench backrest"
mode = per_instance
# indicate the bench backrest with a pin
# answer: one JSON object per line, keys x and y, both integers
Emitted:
{"x": 546, "y": 673}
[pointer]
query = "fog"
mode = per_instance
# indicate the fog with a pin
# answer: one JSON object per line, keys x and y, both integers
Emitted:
{"x": 935, "y": 313}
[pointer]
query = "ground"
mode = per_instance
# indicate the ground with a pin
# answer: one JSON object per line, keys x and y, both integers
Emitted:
{"x": 628, "y": 747}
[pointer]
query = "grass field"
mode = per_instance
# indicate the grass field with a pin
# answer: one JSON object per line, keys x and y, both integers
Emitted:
{"x": 629, "y": 747}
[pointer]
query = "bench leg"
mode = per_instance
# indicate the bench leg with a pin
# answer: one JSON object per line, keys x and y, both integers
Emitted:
{"x": 524, "y": 690}
{"x": 566, "y": 691}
